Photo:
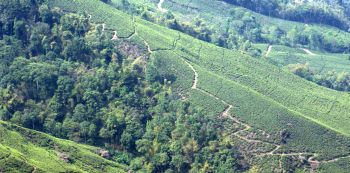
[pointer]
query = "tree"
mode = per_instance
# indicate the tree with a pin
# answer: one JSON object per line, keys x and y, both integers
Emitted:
{"x": 84, "y": 128}
{"x": 284, "y": 135}
{"x": 301, "y": 70}
{"x": 80, "y": 113}
{"x": 77, "y": 50}
{"x": 71, "y": 129}
{"x": 126, "y": 140}
{"x": 20, "y": 30}
{"x": 45, "y": 14}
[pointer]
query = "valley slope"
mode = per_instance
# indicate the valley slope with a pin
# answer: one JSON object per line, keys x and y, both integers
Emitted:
{"x": 267, "y": 98}
{"x": 24, "y": 150}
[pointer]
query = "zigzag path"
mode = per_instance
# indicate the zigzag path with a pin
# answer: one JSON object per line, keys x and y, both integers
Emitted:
{"x": 226, "y": 112}
{"x": 160, "y": 6}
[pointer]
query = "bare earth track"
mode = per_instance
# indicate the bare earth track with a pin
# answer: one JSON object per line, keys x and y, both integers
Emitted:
{"x": 274, "y": 152}
{"x": 160, "y": 8}
{"x": 268, "y": 51}
{"x": 226, "y": 112}
{"x": 308, "y": 52}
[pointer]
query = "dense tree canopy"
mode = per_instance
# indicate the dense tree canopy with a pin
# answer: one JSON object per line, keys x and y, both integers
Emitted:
{"x": 318, "y": 11}
{"x": 62, "y": 75}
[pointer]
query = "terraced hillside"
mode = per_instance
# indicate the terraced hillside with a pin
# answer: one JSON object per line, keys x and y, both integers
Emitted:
{"x": 318, "y": 61}
{"x": 276, "y": 114}
{"x": 23, "y": 150}
{"x": 219, "y": 16}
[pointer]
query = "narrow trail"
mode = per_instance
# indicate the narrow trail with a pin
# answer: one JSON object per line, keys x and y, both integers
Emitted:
{"x": 115, "y": 36}
{"x": 160, "y": 6}
{"x": 308, "y": 52}
{"x": 335, "y": 159}
{"x": 195, "y": 80}
{"x": 280, "y": 164}
{"x": 274, "y": 152}
{"x": 149, "y": 50}
{"x": 268, "y": 51}
{"x": 103, "y": 27}
{"x": 34, "y": 169}
{"x": 226, "y": 112}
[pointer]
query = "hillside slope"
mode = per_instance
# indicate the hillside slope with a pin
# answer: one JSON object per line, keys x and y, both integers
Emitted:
{"x": 270, "y": 100}
{"x": 222, "y": 17}
{"x": 320, "y": 62}
{"x": 24, "y": 150}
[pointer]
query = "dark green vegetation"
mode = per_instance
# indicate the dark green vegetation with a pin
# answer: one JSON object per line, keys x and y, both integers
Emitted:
{"x": 236, "y": 28}
{"x": 326, "y": 69}
{"x": 254, "y": 89}
{"x": 230, "y": 26}
{"x": 98, "y": 76}
{"x": 62, "y": 74}
{"x": 338, "y": 81}
{"x": 316, "y": 11}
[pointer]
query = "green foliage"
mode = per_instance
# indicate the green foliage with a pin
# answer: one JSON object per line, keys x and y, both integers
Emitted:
{"x": 337, "y": 81}
{"x": 23, "y": 150}
{"x": 320, "y": 63}
{"x": 72, "y": 81}
{"x": 301, "y": 70}
{"x": 102, "y": 96}
{"x": 230, "y": 25}
{"x": 186, "y": 140}
{"x": 305, "y": 11}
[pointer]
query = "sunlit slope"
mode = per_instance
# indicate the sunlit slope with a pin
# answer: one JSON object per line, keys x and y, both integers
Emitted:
{"x": 319, "y": 62}
{"x": 327, "y": 107}
{"x": 263, "y": 95}
{"x": 218, "y": 15}
{"x": 24, "y": 150}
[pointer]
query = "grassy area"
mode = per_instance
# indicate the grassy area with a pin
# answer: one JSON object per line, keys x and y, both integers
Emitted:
{"x": 280, "y": 55}
{"x": 320, "y": 62}
{"x": 340, "y": 166}
{"x": 263, "y": 95}
{"x": 217, "y": 15}
{"x": 23, "y": 150}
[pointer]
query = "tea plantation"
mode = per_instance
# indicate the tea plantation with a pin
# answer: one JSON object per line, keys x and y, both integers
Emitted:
{"x": 295, "y": 117}
{"x": 23, "y": 150}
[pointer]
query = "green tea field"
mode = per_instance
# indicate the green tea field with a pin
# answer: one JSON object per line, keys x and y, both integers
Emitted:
{"x": 23, "y": 150}
{"x": 275, "y": 115}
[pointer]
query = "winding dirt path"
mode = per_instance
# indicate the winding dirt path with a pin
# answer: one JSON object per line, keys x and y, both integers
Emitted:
{"x": 226, "y": 112}
{"x": 115, "y": 36}
{"x": 268, "y": 51}
{"x": 195, "y": 80}
{"x": 281, "y": 165}
{"x": 103, "y": 27}
{"x": 34, "y": 170}
{"x": 335, "y": 159}
{"x": 160, "y": 6}
{"x": 274, "y": 152}
{"x": 148, "y": 47}
{"x": 308, "y": 52}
